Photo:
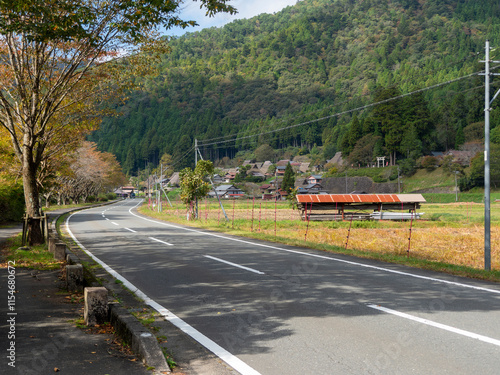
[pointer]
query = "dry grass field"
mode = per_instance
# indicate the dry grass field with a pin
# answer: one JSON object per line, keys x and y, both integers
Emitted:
{"x": 451, "y": 233}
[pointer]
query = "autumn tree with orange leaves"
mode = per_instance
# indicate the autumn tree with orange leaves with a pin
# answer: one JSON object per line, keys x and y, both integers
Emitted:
{"x": 83, "y": 173}
{"x": 57, "y": 57}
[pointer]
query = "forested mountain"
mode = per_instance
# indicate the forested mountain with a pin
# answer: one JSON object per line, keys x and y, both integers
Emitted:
{"x": 305, "y": 70}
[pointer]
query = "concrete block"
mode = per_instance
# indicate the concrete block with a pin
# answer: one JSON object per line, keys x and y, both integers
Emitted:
{"x": 72, "y": 258}
{"x": 52, "y": 243}
{"x": 96, "y": 306}
{"x": 74, "y": 278}
{"x": 60, "y": 251}
{"x": 141, "y": 341}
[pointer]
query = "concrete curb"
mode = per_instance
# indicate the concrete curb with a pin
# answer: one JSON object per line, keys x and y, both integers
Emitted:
{"x": 142, "y": 341}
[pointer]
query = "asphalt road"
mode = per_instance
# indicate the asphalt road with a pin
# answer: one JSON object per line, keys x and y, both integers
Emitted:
{"x": 274, "y": 309}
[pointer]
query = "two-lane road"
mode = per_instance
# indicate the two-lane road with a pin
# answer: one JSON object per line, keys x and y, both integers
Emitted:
{"x": 274, "y": 309}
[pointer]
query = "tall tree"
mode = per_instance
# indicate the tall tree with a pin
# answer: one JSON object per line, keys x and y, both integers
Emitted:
{"x": 54, "y": 55}
{"x": 387, "y": 116}
{"x": 288, "y": 179}
{"x": 194, "y": 185}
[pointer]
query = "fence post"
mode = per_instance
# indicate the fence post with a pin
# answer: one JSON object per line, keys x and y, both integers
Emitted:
{"x": 307, "y": 227}
{"x": 260, "y": 213}
{"x": 409, "y": 237}
{"x": 253, "y": 207}
{"x": 349, "y": 232}
{"x": 275, "y": 214}
{"x": 234, "y": 200}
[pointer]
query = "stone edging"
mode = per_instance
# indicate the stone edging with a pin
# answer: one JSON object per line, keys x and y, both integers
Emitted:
{"x": 141, "y": 340}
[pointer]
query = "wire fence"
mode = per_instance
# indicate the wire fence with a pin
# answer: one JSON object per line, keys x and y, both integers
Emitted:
{"x": 451, "y": 233}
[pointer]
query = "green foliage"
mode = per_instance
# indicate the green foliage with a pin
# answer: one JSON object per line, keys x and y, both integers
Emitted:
{"x": 192, "y": 182}
{"x": 264, "y": 152}
{"x": 408, "y": 167}
{"x": 475, "y": 177}
{"x": 288, "y": 179}
{"x": 430, "y": 163}
{"x": 301, "y": 64}
{"x": 67, "y": 20}
{"x": 11, "y": 201}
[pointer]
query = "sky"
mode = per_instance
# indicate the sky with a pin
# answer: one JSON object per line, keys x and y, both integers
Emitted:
{"x": 246, "y": 9}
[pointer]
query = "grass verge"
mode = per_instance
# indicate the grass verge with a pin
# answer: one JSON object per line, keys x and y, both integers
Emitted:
{"x": 452, "y": 247}
{"x": 34, "y": 257}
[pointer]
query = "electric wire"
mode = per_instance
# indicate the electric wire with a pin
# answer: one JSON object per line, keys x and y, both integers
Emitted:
{"x": 348, "y": 100}
{"x": 181, "y": 158}
{"x": 338, "y": 114}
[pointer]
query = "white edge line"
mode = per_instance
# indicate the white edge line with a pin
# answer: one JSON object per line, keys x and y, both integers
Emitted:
{"x": 160, "y": 241}
{"x": 445, "y": 327}
{"x": 319, "y": 256}
{"x": 219, "y": 351}
{"x": 234, "y": 264}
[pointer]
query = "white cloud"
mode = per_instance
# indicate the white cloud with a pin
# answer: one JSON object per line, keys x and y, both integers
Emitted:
{"x": 246, "y": 9}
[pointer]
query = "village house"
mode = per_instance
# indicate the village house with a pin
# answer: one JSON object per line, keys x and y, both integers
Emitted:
{"x": 227, "y": 191}
{"x": 310, "y": 189}
{"x": 217, "y": 179}
{"x": 280, "y": 170}
{"x": 314, "y": 179}
{"x": 174, "y": 179}
{"x": 230, "y": 175}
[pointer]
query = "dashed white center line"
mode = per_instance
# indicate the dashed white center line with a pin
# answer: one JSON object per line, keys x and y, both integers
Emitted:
{"x": 459, "y": 331}
{"x": 131, "y": 230}
{"x": 114, "y": 223}
{"x": 160, "y": 241}
{"x": 235, "y": 265}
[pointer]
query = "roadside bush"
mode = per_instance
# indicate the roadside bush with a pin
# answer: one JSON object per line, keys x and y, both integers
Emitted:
{"x": 102, "y": 198}
{"x": 394, "y": 175}
{"x": 380, "y": 179}
{"x": 11, "y": 201}
{"x": 408, "y": 167}
{"x": 430, "y": 163}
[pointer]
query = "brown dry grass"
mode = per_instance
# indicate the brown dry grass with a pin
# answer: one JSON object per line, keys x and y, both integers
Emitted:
{"x": 459, "y": 241}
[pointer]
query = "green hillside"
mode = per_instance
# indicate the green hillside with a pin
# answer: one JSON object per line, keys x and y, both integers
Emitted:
{"x": 305, "y": 70}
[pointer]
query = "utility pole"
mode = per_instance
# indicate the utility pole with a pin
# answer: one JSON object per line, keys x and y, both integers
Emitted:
{"x": 195, "y": 152}
{"x": 217, "y": 195}
{"x": 487, "y": 110}
{"x": 160, "y": 208}
{"x": 399, "y": 185}
{"x": 346, "y": 182}
{"x": 487, "y": 233}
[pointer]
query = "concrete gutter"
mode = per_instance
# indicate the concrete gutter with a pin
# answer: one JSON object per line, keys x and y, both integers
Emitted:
{"x": 142, "y": 342}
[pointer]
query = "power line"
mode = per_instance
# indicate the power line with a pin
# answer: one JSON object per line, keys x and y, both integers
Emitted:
{"x": 182, "y": 157}
{"x": 338, "y": 114}
{"x": 346, "y": 101}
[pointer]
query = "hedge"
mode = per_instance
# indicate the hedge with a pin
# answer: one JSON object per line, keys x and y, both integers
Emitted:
{"x": 11, "y": 201}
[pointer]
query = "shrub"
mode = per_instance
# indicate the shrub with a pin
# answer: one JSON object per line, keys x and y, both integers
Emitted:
{"x": 102, "y": 198}
{"x": 408, "y": 167}
{"x": 11, "y": 201}
{"x": 430, "y": 163}
{"x": 379, "y": 179}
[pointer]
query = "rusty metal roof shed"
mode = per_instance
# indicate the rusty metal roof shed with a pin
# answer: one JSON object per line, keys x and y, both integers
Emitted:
{"x": 360, "y": 198}
{"x": 320, "y": 206}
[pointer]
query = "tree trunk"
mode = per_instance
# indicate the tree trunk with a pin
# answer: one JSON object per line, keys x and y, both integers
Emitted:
{"x": 32, "y": 199}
